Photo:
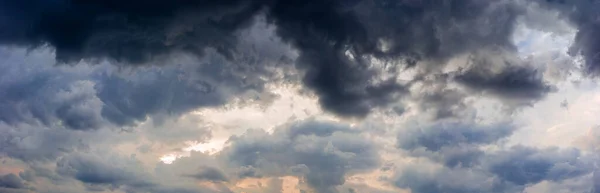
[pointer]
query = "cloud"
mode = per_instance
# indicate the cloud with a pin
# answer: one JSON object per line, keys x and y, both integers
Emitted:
{"x": 93, "y": 93}
{"x": 89, "y": 97}
{"x": 96, "y": 170}
{"x": 454, "y": 143}
{"x": 453, "y": 133}
{"x": 12, "y": 181}
{"x": 33, "y": 91}
{"x": 514, "y": 85}
{"x": 350, "y": 53}
{"x": 456, "y": 151}
{"x": 524, "y": 165}
{"x": 209, "y": 174}
{"x": 110, "y": 171}
{"x": 583, "y": 15}
{"x": 322, "y": 153}
{"x": 506, "y": 171}
{"x": 445, "y": 180}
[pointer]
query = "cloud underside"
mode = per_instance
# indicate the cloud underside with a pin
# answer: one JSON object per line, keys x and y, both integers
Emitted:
{"x": 341, "y": 45}
{"x": 93, "y": 92}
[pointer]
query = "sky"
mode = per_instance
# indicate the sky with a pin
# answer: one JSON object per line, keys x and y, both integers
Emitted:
{"x": 299, "y": 96}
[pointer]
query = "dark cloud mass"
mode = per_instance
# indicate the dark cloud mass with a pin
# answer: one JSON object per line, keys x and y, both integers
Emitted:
{"x": 338, "y": 41}
{"x": 515, "y": 85}
{"x": 94, "y": 92}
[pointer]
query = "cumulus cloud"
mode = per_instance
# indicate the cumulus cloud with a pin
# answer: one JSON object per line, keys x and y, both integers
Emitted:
{"x": 322, "y": 153}
{"x": 453, "y": 143}
{"x": 507, "y": 171}
{"x": 524, "y": 165}
{"x": 12, "y": 181}
{"x": 458, "y": 148}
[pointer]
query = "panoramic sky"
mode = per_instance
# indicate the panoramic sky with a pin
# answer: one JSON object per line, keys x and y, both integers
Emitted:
{"x": 299, "y": 96}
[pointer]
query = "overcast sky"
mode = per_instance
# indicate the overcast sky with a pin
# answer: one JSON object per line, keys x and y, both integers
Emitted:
{"x": 299, "y": 96}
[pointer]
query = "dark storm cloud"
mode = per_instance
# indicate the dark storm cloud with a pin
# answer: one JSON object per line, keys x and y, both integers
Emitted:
{"x": 34, "y": 91}
{"x": 320, "y": 152}
{"x": 127, "y": 31}
{"x": 337, "y": 41}
{"x": 515, "y": 85}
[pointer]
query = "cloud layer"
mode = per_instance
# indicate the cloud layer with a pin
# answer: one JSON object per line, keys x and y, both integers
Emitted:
{"x": 319, "y": 96}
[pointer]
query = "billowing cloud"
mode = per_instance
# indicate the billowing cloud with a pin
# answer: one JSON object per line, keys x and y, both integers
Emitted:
{"x": 12, "y": 181}
{"x": 154, "y": 96}
{"x": 344, "y": 48}
{"x": 322, "y": 153}
{"x": 507, "y": 171}
{"x": 458, "y": 147}
{"x": 524, "y": 165}
{"x": 453, "y": 143}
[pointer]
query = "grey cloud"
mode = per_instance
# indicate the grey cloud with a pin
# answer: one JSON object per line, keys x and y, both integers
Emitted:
{"x": 86, "y": 97}
{"x": 102, "y": 171}
{"x": 94, "y": 170}
{"x": 337, "y": 41}
{"x": 31, "y": 144}
{"x": 457, "y": 147}
{"x": 516, "y": 85}
{"x": 524, "y": 165}
{"x": 417, "y": 31}
{"x": 445, "y": 180}
{"x": 508, "y": 170}
{"x": 209, "y": 174}
{"x": 453, "y": 134}
{"x": 35, "y": 92}
{"x": 320, "y": 152}
{"x": 596, "y": 181}
{"x": 12, "y": 181}
{"x": 248, "y": 172}
{"x": 583, "y": 15}
{"x": 497, "y": 174}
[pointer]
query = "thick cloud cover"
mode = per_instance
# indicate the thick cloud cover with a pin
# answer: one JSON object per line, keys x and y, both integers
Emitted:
{"x": 94, "y": 93}
{"x": 341, "y": 44}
